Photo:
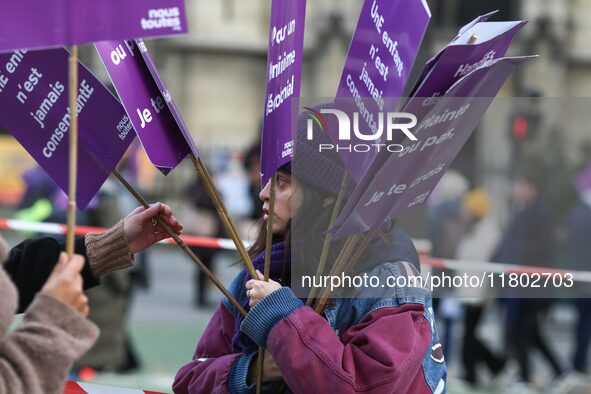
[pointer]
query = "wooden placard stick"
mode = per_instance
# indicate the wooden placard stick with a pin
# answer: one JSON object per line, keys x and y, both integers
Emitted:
{"x": 267, "y": 271}
{"x": 328, "y": 238}
{"x": 339, "y": 264}
{"x": 223, "y": 213}
{"x": 73, "y": 149}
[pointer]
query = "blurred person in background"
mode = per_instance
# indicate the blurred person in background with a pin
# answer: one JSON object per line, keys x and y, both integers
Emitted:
{"x": 478, "y": 244}
{"x": 446, "y": 224}
{"x": 232, "y": 183}
{"x": 202, "y": 220}
{"x": 43, "y": 201}
{"x": 252, "y": 166}
{"x": 579, "y": 258}
{"x": 36, "y": 203}
{"x": 446, "y": 229}
{"x": 528, "y": 240}
{"x": 36, "y": 356}
{"x": 128, "y": 168}
{"x": 109, "y": 303}
{"x": 38, "y": 185}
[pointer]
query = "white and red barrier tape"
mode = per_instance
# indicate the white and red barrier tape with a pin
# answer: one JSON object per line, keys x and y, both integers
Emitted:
{"x": 89, "y": 388}
{"x": 227, "y": 244}
{"x": 498, "y": 268}
{"x": 57, "y": 228}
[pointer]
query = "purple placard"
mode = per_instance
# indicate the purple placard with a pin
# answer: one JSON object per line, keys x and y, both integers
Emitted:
{"x": 478, "y": 19}
{"x": 460, "y": 57}
{"x": 378, "y": 65}
{"x": 463, "y": 29}
{"x": 34, "y": 99}
{"x": 440, "y": 72}
{"x": 147, "y": 106}
{"x": 51, "y": 23}
{"x": 284, "y": 74}
{"x": 167, "y": 97}
{"x": 406, "y": 179}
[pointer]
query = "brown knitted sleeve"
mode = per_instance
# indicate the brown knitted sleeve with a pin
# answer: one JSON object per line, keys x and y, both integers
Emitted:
{"x": 108, "y": 251}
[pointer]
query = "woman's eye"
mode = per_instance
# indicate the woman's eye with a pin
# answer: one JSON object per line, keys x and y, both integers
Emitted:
{"x": 283, "y": 180}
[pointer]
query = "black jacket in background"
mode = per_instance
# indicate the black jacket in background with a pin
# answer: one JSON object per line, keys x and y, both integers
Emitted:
{"x": 31, "y": 262}
{"x": 578, "y": 245}
{"x": 530, "y": 238}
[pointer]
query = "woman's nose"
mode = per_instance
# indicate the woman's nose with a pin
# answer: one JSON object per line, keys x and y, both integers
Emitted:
{"x": 265, "y": 194}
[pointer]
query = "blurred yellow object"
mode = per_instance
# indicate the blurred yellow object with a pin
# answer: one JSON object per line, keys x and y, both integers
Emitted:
{"x": 477, "y": 202}
{"x": 14, "y": 160}
{"x": 38, "y": 212}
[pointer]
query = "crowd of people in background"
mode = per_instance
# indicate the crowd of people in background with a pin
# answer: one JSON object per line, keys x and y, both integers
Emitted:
{"x": 463, "y": 226}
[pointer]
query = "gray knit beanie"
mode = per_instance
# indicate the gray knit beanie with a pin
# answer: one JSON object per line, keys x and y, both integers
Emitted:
{"x": 323, "y": 170}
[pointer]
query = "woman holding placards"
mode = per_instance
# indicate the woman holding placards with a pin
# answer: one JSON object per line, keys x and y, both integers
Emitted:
{"x": 379, "y": 340}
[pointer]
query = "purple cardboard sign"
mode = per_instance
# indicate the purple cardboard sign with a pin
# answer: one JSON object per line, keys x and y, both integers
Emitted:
{"x": 378, "y": 65}
{"x": 456, "y": 60}
{"x": 478, "y": 19}
{"x": 52, "y": 23}
{"x": 407, "y": 179}
{"x": 462, "y": 55}
{"x": 284, "y": 74}
{"x": 167, "y": 97}
{"x": 463, "y": 29}
{"x": 34, "y": 99}
{"x": 148, "y": 107}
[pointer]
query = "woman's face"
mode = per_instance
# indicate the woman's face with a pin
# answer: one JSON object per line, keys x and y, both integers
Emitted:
{"x": 288, "y": 199}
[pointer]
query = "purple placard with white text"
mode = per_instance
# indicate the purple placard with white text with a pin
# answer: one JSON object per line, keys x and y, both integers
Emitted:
{"x": 167, "y": 97}
{"x": 407, "y": 179}
{"x": 478, "y": 44}
{"x": 380, "y": 58}
{"x": 463, "y": 29}
{"x": 34, "y": 100}
{"x": 284, "y": 73}
{"x": 147, "y": 107}
{"x": 52, "y": 23}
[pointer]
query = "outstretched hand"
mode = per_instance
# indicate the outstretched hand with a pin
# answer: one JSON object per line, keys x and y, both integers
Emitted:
{"x": 142, "y": 232}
